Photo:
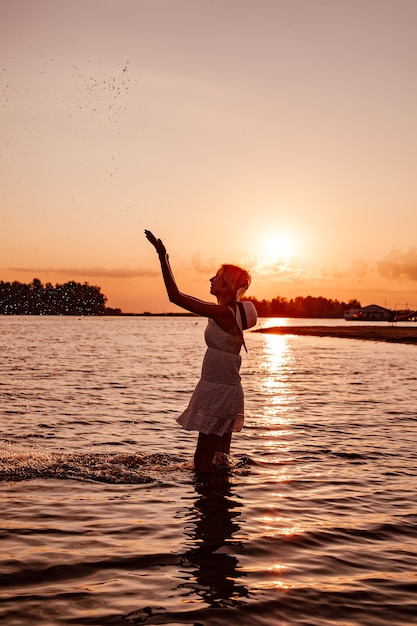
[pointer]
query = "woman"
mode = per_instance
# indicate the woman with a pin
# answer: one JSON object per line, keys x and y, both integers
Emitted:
{"x": 216, "y": 406}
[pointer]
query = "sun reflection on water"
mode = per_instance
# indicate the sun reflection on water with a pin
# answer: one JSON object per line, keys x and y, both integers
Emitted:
{"x": 276, "y": 364}
{"x": 277, "y": 525}
{"x": 278, "y": 570}
{"x": 276, "y": 461}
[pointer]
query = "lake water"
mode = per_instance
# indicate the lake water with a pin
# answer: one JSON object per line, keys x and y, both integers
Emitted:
{"x": 105, "y": 524}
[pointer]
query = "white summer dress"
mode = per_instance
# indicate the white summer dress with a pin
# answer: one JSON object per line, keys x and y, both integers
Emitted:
{"x": 216, "y": 406}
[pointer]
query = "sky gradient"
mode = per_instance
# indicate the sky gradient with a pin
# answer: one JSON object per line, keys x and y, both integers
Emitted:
{"x": 278, "y": 134}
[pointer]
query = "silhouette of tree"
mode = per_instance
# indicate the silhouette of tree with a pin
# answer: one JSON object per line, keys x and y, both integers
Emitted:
{"x": 303, "y": 307}
{"x": 36, "y": 299}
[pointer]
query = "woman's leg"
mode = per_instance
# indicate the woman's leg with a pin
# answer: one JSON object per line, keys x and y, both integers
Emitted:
{"x": 207, "y": 446}
{"x": 224, "y": 444}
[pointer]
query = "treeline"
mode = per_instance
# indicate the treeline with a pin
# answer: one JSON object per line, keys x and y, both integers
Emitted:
{"x": 73, "y": 298}
{"x": 37, "y": 299}
{"x": 303, "y": 307}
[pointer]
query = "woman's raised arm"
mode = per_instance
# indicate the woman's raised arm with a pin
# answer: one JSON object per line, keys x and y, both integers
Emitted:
{"x": 220, "y": 313}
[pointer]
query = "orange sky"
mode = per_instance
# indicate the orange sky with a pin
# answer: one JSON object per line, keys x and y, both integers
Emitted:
{"x": 277, "y": 134}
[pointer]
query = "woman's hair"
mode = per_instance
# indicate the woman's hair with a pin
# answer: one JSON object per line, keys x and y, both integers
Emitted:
{"x": 236, "y": 278}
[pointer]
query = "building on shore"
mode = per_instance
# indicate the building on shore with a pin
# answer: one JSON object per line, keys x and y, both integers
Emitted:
{"x": 370, "y": 313}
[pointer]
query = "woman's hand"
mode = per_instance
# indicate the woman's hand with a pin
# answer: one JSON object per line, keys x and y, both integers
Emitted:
{"x": 157, "y": 243}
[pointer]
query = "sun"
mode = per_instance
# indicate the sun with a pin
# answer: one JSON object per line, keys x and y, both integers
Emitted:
{"x": 276, "y": 249}
{"x": 272, "y": 252}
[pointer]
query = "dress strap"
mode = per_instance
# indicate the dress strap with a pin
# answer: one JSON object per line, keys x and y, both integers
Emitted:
{"x": 240, "y": 321}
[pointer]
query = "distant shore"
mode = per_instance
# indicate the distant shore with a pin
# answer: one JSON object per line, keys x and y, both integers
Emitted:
{"x": 391, "y": 334}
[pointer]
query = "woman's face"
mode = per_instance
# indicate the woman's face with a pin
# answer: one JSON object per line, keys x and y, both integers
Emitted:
{"x": 218, "y": 285}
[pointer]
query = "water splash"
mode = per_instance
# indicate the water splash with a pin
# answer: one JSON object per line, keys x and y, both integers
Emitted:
{"x": 17, "y": 463}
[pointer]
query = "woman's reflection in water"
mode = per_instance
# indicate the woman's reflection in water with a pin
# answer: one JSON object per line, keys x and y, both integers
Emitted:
{"x": 209, "y": 568}
{"x": 214, "y": 516}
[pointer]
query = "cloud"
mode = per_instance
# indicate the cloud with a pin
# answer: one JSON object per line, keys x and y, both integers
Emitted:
{"x": 84, "y": 272}
{"x": 260, "y": 265}
{"x": 357, "y": 271}
{"x": 284, "y": 271}
{"x": 279, "y": 272}
{"x": 359, "y": 268}
{"x": 398, "y": 265}
{"x": 209, "y": 266}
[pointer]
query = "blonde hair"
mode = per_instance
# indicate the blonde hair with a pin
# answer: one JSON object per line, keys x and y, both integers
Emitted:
{"x": 236, "y": 278}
